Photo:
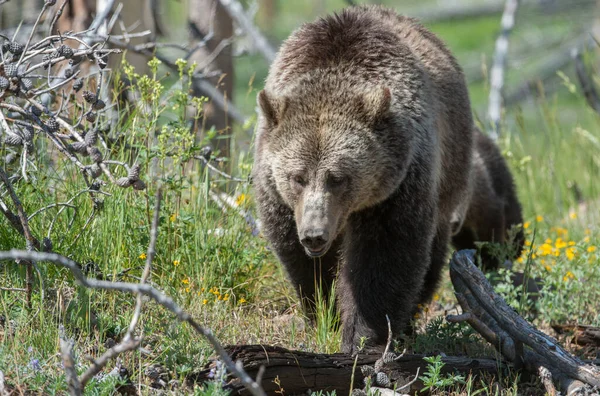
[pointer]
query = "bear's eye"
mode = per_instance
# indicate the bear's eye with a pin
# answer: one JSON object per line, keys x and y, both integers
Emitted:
{"x": 336, "y": 181}
{"x": 299, "y": 181}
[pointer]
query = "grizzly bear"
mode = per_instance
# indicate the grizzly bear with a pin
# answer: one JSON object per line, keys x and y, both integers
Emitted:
{"x": 363, "y": 157}
{"x": 493, "y": 209}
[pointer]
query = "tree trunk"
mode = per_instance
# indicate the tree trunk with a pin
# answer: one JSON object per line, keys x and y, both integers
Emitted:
{"x": 206, "y": 17}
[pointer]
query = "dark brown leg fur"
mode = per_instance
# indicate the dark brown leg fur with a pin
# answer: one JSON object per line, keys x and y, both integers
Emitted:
{"x": 494, "y": 207}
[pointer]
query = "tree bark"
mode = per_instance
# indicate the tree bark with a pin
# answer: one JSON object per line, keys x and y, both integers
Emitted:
{"x": 209, "y": 22}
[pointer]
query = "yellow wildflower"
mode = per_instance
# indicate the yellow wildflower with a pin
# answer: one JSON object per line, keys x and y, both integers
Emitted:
{"x": 560, "y": 243}
{"x": 143, "y": 256}
{"x": 586, "y": 239}
{"x": 242, "y": 300}
{"x": 526, "y": 225}
{"x": 545, "y": 249}
{"x": 527, "y": 243}
{"x": 226, "y": 297}
{"x": 539, "y": 218}
{"x": 173, "y": 217}
{"x": 219, "y": 297}
{"x": 548, "y": 241}
{"x": 533, "y": 256}
{"x": 187, "y": 289}
{"x": 548, "y": 268}
{"x": 520, "y": 260}
{"x": 592, "y": 249}
{"x": 202, "y": 290}
{"x": 568, "y": 275}
{"x": 417, "y": 315}
{"x": 186, "y": 281}
{"x": 436, "y": 297}
{"x": 570, "y": 252}
{"x": 572, "y": 243}
{"x": 175, "y": 263}
{"x": 573, "y": 215}
{"x": 204, "y": 302}
{"x": 241, "y": 199}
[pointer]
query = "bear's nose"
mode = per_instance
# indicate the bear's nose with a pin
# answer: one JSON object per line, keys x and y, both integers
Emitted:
{"x": 315, "y": 239}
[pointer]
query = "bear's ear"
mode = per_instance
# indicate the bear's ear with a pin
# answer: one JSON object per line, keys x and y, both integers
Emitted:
{"x": 271, "y": 108}
{"x": 377, "y": 103}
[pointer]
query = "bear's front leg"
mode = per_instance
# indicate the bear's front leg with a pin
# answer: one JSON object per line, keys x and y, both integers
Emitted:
{"x": 306, "y": 274}
{"x": 386, "y": 256}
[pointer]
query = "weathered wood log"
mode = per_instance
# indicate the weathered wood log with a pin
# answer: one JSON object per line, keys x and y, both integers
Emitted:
{"x": 582, "y": 335}
{"x": 297, "y": 372}
{"x": 518, "y": 340}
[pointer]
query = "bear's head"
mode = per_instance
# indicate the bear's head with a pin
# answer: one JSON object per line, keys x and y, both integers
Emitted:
{"x": 330, "y": 153}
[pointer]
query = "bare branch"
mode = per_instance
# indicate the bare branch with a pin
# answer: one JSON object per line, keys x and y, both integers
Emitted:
{"x": 237, "y": 13}
{"x": 498, "y": 66}
{"x": 66, "y": 351}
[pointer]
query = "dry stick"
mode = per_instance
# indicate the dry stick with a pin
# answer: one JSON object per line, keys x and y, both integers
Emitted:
{"x": 66, "y": 351}
{"x": 587, "y": 85}
{"x": 498, "y": 66}
{"x": 31, "y": 241}
{"x": 139, "y": 289}
{"x": 546, "y": 378}
{"x": 472, "y": 287}
{"x": 237, "y": 13}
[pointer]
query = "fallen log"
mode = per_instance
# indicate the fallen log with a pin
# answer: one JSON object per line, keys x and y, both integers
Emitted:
{"x": 582, "y": 335}
{"x": 297, "y": 372}
{"x": 517, "y": 340}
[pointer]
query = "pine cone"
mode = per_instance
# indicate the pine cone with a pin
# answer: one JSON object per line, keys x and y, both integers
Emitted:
{"x": 90, "y": 116}
{"x": 139, "y": 185}
{"x": 123, "y": 182}
{"x": 78, "y": 84}
{"x": 89, "y": 97}
{"x": 26, "y": 84}
{"x": 69, "y": 72}
{"x": 99, "y": 105}
{"x": 16, "y": 48}
{"x": 52, "y": 125}
{"x": 95, "y": 154}
{"x": 91, "y": 137}
{"x": 13, "y": 140}
{"x": 80, "y": 147}
{"x": 66, "y": 51}
{"x": 95, "y": 170}
{"x": 134, "y": 172}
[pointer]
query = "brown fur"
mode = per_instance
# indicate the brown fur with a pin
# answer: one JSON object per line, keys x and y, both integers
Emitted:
{"x": 363, "y": 154}
{"x": 494, "y": 208}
